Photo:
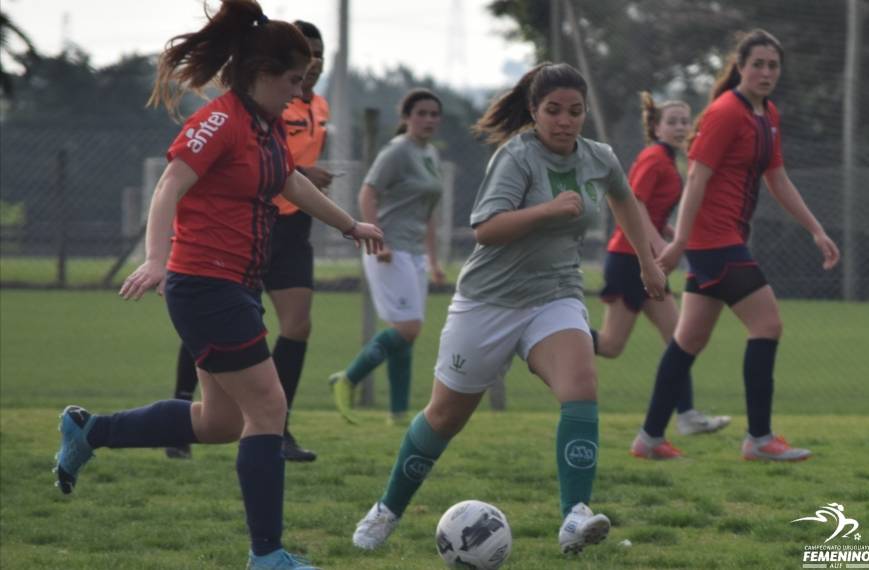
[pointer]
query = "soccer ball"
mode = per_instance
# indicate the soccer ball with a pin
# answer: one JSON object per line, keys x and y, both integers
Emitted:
{"x": 474, "y": 534}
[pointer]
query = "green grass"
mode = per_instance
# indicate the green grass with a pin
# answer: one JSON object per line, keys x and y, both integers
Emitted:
{"x": 136, "y": 509}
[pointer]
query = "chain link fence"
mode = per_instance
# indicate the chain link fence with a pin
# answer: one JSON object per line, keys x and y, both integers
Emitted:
{"x": 73, "y": 197}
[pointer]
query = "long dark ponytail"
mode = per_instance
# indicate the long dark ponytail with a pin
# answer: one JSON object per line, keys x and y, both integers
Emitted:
{"x": 511, "y": 112}
{"x": 237, "y": 43}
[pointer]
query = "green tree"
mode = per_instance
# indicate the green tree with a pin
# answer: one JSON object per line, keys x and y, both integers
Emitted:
{"x": 26, "y": 59}
{"x": 676, "y": 46}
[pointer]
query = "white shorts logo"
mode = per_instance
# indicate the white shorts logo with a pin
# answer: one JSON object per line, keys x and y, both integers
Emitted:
{"x": 581, "y": 454}
{"x": 198, "y": 137}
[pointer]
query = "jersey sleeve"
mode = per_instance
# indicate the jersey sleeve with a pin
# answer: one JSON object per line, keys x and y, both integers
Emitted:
{"x": 386, "y": 169}
{"x": 716, "y": 131}
{"x": 205, "y": 137}
{"x": 777, "y": 159}
{"x": 644, "y": 176}
{"x": 617, "y": 182}
{"x": 503, "y": 188}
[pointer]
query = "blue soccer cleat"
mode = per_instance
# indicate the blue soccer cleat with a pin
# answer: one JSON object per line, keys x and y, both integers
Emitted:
{"x": 278, "y": 560}
{"x": 75, "y": 451}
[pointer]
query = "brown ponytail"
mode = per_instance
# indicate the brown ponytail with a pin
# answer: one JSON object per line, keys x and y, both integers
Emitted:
{"x": 237, "y": 43}
{"x": 652, "y": 114}
{"x": 511, "y": 112}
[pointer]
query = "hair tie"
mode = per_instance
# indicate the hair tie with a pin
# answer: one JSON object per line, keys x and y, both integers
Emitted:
{"x": 261, "y": 21}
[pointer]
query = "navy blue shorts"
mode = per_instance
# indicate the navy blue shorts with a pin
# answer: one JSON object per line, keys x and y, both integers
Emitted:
{"x": 219, "y": 321}
{"x": 292, "y": 258}
{"x": 621, "y": 273}
{"x": 729, "y": 274}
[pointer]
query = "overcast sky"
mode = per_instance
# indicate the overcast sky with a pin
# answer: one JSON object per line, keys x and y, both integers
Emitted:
{"x": 454, "y": 41}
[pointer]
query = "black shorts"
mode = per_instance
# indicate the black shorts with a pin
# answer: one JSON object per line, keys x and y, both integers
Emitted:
{"x": 729, "y": 274}
{"x": 621, "y": 273}
{"x": 219, "y": 321}
{"x": 292, "y": 258}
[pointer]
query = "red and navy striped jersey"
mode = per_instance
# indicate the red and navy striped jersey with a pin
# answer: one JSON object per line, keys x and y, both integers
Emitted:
{"x": 656, "y": 183}
{"x": 739, "y": 146}
{"x": 223, "y": 223}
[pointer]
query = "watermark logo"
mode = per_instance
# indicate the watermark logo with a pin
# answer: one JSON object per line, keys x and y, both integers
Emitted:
{"x": 835, "y": 513}
{"x": 836, "y": 555}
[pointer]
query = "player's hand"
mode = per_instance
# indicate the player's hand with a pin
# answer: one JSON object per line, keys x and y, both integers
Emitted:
{"x": 369, "y": 235}
{"x": 565, "y": 205}
{"x": 654, "y": 281}
{"x": 319, "y": 177}
{"x": 149, "y": 275}
{"x": 669, "y": 258}
{"x": 438, "y": 276}
{"x": 658, "y": 245}
{"x": 828, "y": 249}
{"x": 384, "y": 255}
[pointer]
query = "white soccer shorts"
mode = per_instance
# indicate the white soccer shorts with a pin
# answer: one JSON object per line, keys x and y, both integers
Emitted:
{"x": 398, "y": 288}
{"x": 479, "y": 340}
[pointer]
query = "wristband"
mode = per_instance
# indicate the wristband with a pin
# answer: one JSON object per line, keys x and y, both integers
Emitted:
{"x": 349, "y": 233}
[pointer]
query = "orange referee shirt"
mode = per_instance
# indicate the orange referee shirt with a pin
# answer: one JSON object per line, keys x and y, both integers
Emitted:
{"x": 305, "y": 125}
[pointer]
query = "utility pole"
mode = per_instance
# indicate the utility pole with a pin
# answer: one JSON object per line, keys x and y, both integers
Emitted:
{"x": 850, "y": 118}
{"x": 555, "y": 31}
{"x": 340, "y": 141}
{"x": 593, "y": 100}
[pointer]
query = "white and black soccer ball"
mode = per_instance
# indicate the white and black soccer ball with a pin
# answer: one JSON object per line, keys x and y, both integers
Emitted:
{"x": 474, "y": 534}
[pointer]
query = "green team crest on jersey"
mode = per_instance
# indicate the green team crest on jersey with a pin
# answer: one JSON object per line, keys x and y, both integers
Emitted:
{"x": 430, "y": 166}
{"x": 566, "y": 181}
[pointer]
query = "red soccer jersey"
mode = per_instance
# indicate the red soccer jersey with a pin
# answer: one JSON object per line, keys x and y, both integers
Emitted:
{"x": 657, "y": 184}
{"x": 739, "y": 147}
{"x": 224, "y": 221}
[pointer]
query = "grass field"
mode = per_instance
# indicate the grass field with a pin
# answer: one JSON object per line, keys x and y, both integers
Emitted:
{"x": 136, "y": 509}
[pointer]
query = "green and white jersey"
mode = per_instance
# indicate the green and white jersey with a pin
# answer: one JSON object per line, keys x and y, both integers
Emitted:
{"x": 407, "y": 178}
{"x": 543, "y": 265}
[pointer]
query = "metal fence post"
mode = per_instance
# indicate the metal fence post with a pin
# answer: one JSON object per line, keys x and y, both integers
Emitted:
{"x": 62, "y": 216}
{"x": 372, "y": 119}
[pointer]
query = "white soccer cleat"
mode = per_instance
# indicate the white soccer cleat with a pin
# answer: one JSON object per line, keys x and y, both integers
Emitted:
{"x": 581, "y": 528}
{"x": 694, "y": 422}
{"x": 375, "y": 527}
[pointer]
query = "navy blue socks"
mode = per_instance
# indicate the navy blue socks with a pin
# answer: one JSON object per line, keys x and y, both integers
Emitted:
{"x": 674, "y": 371}
{"x": 757, "y": 373}
{"x": 166, "y": 423}
{"x": 289, "y": 357}
{"x": 260, "y": 469}
{"x": 185, "y": 375}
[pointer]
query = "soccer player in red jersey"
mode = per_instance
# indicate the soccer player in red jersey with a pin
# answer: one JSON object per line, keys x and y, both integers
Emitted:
{"x": 738, "y": 142}
{"x": 657, "y": 185}
{"x": 289, "y": 276}
{"x": 225, "y": 167}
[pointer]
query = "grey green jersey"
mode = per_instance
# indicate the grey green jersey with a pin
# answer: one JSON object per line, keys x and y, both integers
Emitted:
{"x": 407, "y": 178}
{"x": 543, "y": 265}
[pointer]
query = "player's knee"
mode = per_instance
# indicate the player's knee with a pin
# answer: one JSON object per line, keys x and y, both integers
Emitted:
{"x": 769, "y": 328}
{"x": 693, "y": 342}
{"x": 609, "y": 347}
{"x": 409, "y": 331}
{"x": 445, "y": 421}
{"x": 296, "y": 329}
